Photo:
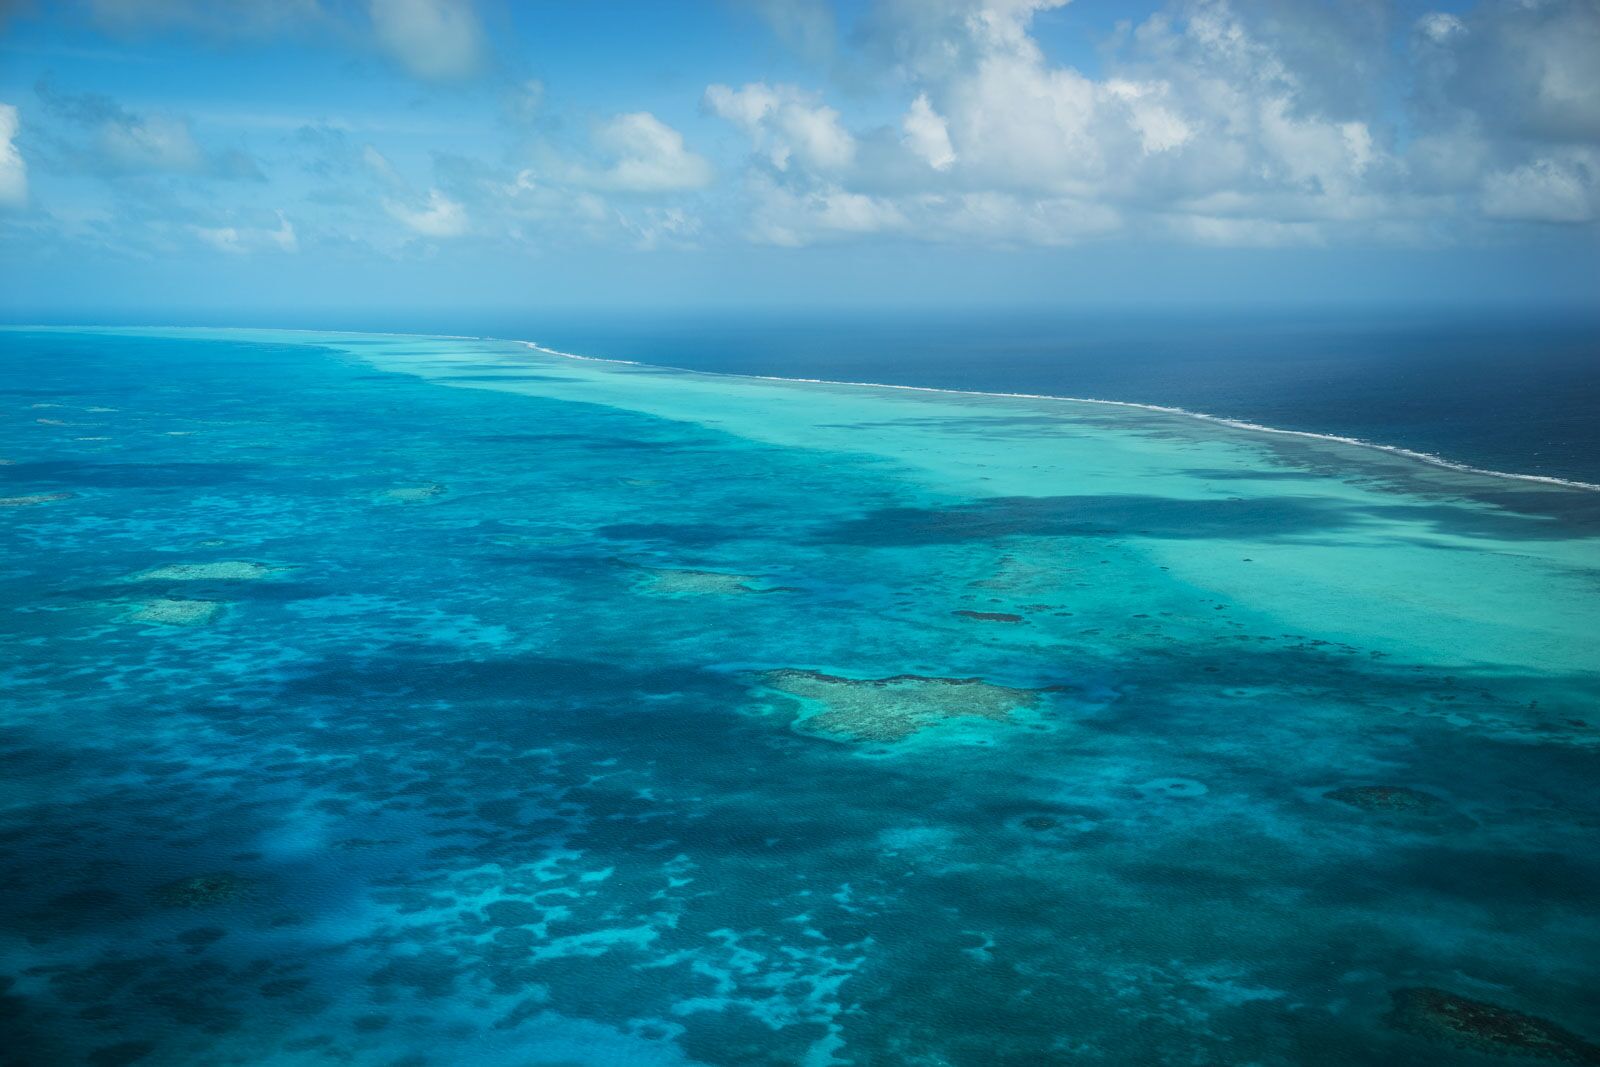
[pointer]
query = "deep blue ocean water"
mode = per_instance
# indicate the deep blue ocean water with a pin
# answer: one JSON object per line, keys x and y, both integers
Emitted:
{"x": 423, "y": 701}
{"x": 1505, "y": 392}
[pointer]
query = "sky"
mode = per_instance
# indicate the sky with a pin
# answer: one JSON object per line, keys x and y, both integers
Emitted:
{"x": 297, "y": 161}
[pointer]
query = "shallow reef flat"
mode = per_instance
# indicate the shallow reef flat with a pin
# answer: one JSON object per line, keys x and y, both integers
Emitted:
{"x": 721, "y": 721}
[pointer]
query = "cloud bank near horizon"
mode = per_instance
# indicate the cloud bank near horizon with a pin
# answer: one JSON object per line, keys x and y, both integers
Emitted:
{"x": 403, "y": 127}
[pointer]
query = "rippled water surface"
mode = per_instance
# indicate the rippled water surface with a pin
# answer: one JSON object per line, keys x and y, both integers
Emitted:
{"x": 405, "y": 700}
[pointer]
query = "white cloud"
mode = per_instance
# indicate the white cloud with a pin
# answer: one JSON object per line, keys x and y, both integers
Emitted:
{"x": 785, "y": 123}
{"x": 927, "y": 134}
{"x": 1545, "y": 190}
{"x": 1521, "y": 70}
{"x": 784, "y": 216}
{"x": 1004, "y": 217}
{"x": 441, "y": 217}
{"x": 439, "y": 40}
{"x": 1195, "y": 106}
{"x": 1159, "y": 127}
{"x": 13, "y": 171}
{"x": 1440, "y": 26}
{"x": 242, "y": 240}
{"x": 649, "y": 156}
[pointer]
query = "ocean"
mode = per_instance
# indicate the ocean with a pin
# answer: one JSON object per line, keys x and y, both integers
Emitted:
{"x": 1505, "y": 392}
{"x": 398, "y": 699}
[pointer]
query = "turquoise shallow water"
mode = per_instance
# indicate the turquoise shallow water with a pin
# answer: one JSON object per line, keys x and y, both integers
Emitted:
{"x": 411, "y": 700}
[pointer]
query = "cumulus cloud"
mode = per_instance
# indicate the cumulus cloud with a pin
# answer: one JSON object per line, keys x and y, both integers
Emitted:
{"x": 1440, "y": 26}
{"x": 1219, "y": 121}
{"x": 648, "y": 156}
{"x": 927, "y": 134}
{"x": 439, "y": 40}
{"x": 1223, "y": 122}
{"x": 439, "y": 216}
{"x": 1523, "y": 69}
{"x": 13, "y": 171}
{"x": 785, "y": 123}
{"x": 1545, "y": 190}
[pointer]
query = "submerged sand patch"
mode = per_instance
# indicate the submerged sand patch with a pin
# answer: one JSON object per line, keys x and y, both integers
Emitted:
{"x": 174, "y": 612}
{"x": 895, "y": 708}
{"x": 228, "y": 570}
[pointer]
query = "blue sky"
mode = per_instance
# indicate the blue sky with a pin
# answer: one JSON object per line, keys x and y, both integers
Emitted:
{"x": 286, "y": 160}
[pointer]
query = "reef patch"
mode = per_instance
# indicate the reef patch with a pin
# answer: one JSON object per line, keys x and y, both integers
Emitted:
{"x": 36, "y": 498}
{"x": 895, "y": 708}
{"x": 1385, "y": 798}
{"x": 174, "y": 612}
{"x": 230, "y": 570}
{"x": 204, "y": 890}
{"x": 988, "y": 616}
{"x": 1477, "y": 1024}
{"x": 668, "y": 582}
{"x": 412, "y": 494}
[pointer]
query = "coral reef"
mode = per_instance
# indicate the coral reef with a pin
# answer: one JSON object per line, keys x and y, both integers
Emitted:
{"x": 676, "y": 582}
{"x": 230, "y": 570}
{"x": 37, "y": 498}
{"x": 988, "y": 616}
{"x": 412, "y": 494}
{"x": 169, "y": 612}
{"x": 1476, "y": 1024}
{"x": 1173, "y": 787}
{"x": 202, "y": 890}
{"x": 895, "y": 708}
{"x": 1384, "y": 798}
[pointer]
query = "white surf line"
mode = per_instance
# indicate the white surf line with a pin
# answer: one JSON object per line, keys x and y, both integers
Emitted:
{"x": 1238, "y": 424}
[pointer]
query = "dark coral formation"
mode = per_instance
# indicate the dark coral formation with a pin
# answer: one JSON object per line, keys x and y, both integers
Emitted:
{"x": 204, "y": 889}
{"x": 988, "y": 616}
{"x": 1485, "y": 1027}
{"x": 1385, "y": 798}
